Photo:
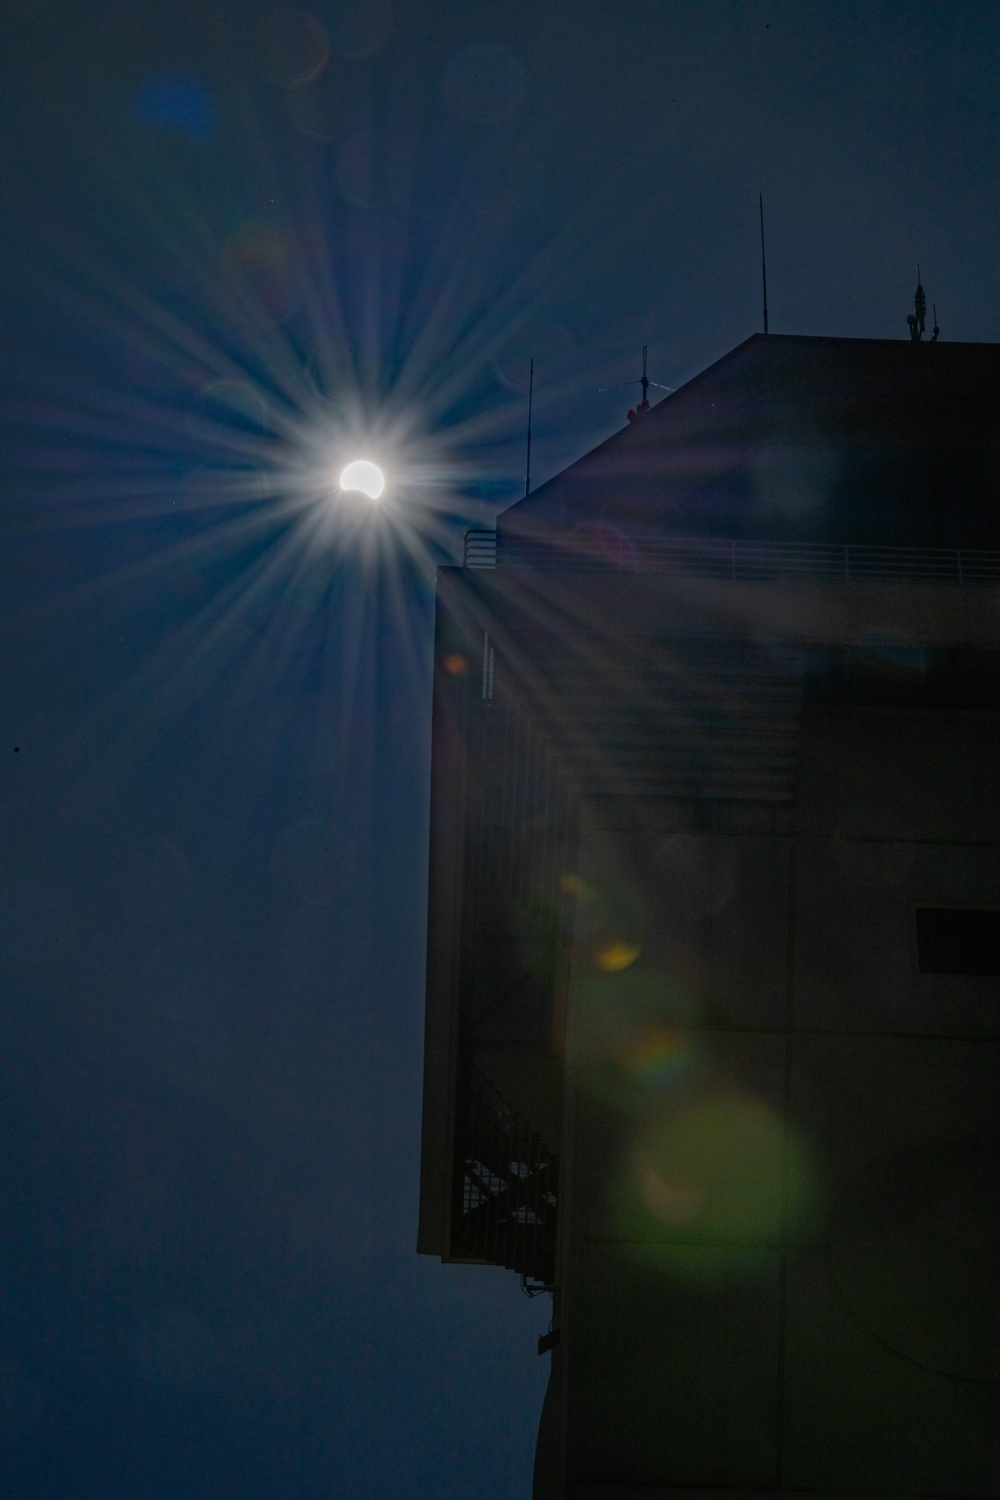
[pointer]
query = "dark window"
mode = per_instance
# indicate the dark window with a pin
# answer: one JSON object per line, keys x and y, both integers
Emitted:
{"x": 951, "y": 940}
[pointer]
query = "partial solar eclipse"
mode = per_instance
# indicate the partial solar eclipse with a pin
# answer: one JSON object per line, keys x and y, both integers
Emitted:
{"x": 364, "y": 476}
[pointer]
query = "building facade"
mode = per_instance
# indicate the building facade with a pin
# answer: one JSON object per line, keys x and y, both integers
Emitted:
{"x": 713, "y": 1004}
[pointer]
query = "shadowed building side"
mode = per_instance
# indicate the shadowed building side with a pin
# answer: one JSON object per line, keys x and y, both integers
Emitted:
{"x": 714, "y": 949}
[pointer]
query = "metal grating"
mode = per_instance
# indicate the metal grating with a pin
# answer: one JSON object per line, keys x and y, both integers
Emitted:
{"x": 521, "y": 844}
{"x": 683, "y": 719}
{"x": 739, "y": 561}
{"x": 507, "y": 1188}
{"x": 480, "y": 549}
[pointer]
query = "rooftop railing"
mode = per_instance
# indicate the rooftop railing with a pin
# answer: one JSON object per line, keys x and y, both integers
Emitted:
{"x": 739, "y": 561}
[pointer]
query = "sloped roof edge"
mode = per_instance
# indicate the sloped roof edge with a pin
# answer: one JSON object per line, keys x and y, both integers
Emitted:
{"x": 771, "y": 349}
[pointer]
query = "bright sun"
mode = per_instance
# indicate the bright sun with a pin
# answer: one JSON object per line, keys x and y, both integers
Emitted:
{"x": 365, "y": 476}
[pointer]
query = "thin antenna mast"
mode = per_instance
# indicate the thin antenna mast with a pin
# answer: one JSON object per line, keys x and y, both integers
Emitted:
{"x": 763, "y": 257}
{"x": 527, "y": 462}
{"x": 918, "y": 317}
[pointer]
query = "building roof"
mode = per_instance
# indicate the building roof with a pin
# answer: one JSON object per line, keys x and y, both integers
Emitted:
{"x": 789, "y": 438}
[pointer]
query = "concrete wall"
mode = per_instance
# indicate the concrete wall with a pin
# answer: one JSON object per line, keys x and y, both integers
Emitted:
{"x": 781, "y": 1259}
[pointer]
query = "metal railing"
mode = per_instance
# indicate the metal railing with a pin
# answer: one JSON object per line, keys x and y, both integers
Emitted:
{"x": 507, "y": 1187}
{"x": 740, "y": 561}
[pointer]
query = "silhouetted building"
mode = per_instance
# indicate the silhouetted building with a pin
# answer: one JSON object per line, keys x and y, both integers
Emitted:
{"x": 713, "y": 1004}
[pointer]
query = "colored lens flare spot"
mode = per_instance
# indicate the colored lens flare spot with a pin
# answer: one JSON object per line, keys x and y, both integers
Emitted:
{"x": 656, "y": 1057}
{"x": 724, "y": 1165}
{"x": 176, "y": 102}
{"x": 612, "y": 958}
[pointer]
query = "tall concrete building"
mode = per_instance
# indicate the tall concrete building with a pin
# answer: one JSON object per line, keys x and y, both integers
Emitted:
{"x": 713, "y": 1005}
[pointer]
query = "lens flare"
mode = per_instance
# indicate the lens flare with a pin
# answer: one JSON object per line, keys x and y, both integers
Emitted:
{"x": 609, "y": 922}
{"x": 657, "y": 1059}
{"x": 723, "y": 1170}
{"x": 616, "y": 955}
{"x": 364, "y": 476}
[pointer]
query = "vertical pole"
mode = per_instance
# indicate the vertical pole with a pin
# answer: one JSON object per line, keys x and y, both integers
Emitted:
{"x": 763, "y": 257}
{"x": 487, "y": 651}
{"x": 531, "y": 392}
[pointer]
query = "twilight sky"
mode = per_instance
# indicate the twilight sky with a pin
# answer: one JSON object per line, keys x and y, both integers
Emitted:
{"x": 239, "y": 246}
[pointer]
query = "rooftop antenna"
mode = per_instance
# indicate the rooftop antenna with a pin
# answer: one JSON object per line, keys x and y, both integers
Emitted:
{"x": 644, "y": 381}
{"x": 763, "y": 256}
{"x": 643, "y": 407}
{"x": 918, "y": 317}
{"x": 527, "y": 462}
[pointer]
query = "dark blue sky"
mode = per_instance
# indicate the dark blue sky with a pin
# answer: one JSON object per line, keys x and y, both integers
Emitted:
{"x": 236, "y": 244}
